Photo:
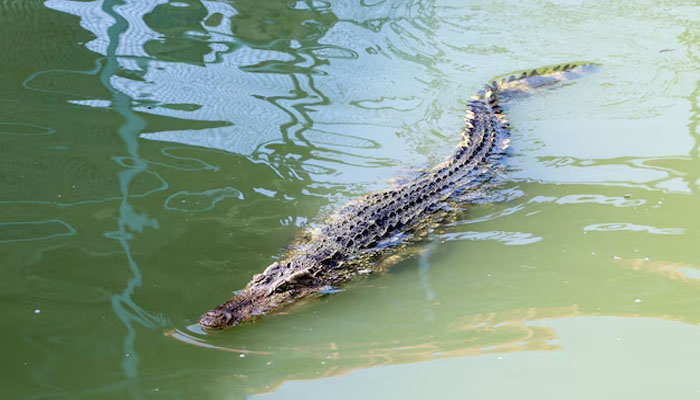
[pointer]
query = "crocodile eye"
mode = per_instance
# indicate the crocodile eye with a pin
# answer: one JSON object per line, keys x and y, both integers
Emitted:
{"x": 227, "y": 317}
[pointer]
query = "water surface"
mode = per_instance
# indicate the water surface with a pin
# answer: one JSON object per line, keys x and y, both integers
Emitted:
{"x": 154, "y": 155}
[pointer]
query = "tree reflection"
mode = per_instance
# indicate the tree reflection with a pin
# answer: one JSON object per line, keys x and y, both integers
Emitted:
{"x": 184, "y": 38}
{"x": 294, "y": 30}
{"x": 275, "y": 24}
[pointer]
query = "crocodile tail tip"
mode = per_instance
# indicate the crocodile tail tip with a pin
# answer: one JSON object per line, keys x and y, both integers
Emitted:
{"x": 531, "y": 81}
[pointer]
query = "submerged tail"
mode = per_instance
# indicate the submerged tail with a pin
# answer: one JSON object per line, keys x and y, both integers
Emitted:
{"x": 528, "y": 82}
{"x": 486, "y": 136}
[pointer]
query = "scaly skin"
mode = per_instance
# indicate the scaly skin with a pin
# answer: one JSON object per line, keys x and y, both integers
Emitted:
{"x": 363, "y": 231}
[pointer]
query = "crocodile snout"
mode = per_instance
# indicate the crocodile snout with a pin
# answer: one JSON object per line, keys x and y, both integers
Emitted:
{"x": 216, "y": 319}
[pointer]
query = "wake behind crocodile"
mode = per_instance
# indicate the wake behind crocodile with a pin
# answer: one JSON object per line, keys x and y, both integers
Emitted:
{"x": 361, "y": 236}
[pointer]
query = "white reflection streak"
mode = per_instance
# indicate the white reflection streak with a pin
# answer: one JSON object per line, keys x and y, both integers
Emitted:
{"x": 129, "y": 220}
{"x": 106, "y": 20}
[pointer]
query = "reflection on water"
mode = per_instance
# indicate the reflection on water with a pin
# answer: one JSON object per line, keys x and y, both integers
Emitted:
{"x": 155, "y": 154}
{"x": 129, "y": 221}
{"x": 620, "y": 355}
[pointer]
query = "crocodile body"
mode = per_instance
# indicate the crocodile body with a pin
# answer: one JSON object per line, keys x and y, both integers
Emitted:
{"x": 353, "y": 239}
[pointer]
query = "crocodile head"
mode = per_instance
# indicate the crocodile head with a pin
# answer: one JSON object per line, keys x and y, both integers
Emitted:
{"x": 264, "y": 293}
{"x": 217, "y": 319}
{"x": 280, "y": 283}
{"x": 244, "y": 306}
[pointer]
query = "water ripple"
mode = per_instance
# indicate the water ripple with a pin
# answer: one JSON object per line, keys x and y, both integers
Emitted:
{"x": 27, "y": 231}
{"x": 625, "y": 226}
{"x": 389, "y": 103}
{"x": 616, "y": 201}
{"x": 17, "y": 129}
{"x": 508, "y": 238}
{"x": 200, "y": 201}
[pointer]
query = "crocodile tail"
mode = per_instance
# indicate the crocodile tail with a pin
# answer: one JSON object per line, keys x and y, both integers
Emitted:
{"x": 528, "y": 82}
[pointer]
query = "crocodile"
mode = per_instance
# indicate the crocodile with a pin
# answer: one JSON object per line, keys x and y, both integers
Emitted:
{"x": 361, "y": 236}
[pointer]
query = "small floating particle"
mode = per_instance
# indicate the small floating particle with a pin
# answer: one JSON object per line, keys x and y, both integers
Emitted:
{"x": 365, "y": 271}
{"x": 637, "y": 300}
{"x": 242, "y": 356}
{"x": 616, "y": 258}
{"x": 646, "y": 258}
{"x": 37, "y": 311}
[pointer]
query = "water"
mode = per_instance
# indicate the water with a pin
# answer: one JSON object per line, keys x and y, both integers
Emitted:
{"x": 155, "y": 155}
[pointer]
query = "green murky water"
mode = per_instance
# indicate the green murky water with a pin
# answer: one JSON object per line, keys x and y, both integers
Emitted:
{"x": 155, "y": 155}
